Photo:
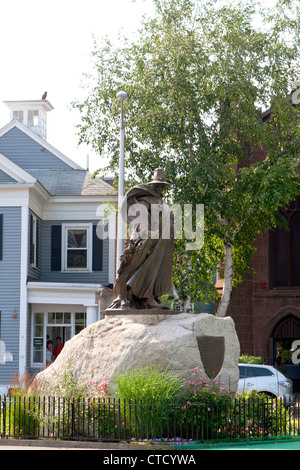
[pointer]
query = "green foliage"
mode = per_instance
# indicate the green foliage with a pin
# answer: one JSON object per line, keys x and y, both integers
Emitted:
{"x": 18, "y": 416}
{"x": 76, "y": 401}
{"x": 199, "y": 386}
{"x": 147, "y": 384}
{"x": 249, "y": 359}
{"x": 223, "y": 415}
{"x": 256, "y": 415}
{"x": 150, "y": 391}
{"x": 197, "y": 76}
{"x": 200, "y": 408}
{"x": 150, "y": 404}
{"x": 70, "y": 385}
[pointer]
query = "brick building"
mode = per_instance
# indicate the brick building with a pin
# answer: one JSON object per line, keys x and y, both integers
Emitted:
{"x": 266, "y": 306}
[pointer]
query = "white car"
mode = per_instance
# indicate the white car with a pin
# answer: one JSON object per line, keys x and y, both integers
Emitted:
{"x": 265, "y": 379}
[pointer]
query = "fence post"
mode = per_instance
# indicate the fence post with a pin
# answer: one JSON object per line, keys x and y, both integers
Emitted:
{"x": 72, "y": 418}
{"x": 4, "y": 415}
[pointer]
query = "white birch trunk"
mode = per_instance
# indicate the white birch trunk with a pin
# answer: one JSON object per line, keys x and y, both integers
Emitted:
{"x": 227, "y": 287}
{"x": 187, "y": 305}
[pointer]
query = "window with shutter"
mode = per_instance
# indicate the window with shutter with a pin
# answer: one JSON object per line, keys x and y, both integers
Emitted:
{"x": 76, "y": 248}
{"x": 285, "y": 250}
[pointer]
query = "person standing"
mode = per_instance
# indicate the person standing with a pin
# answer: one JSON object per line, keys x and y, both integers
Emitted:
{"x": 49, "y": 356}
{"x": 58, "y": 348}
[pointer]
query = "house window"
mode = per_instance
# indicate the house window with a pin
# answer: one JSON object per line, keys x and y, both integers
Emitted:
{"x": 285, "y": 250}
{"x": 77, "y": 247}
{"x": 33, "y": 118}
{"x": 80, "y": 321}
{"x": 19, "y": 115}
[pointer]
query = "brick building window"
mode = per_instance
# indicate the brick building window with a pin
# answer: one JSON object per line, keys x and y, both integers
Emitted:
{"x": 285, "y": 250}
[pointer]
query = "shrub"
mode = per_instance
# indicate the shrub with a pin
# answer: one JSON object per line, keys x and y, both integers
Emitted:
{"x": 18, "y": 416}
{"x": 148, "y": 392}
{"x": 152, "y": 384}
{"x": 255, "y": 415}
{"x": 76, "y": 405}
{"x": 248, "y": 359}
{"x": 204, "y": 406}
{"x": 213, "y": 412}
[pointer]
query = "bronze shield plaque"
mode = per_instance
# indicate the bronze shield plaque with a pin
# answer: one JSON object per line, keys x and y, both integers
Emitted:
{"x": 212, "y": 351}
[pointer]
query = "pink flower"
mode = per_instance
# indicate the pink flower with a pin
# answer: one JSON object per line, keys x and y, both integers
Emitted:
{"x": 102, "y": 385}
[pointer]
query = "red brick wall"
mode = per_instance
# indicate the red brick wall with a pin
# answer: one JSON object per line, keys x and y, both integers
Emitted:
{"x": 256, "y": 307}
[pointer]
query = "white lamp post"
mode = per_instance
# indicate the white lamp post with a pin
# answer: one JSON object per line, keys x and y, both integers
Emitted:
{"x": 121, "y": 96}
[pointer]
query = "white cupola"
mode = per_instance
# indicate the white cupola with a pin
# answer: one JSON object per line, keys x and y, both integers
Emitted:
{"x": 32, "y": 113}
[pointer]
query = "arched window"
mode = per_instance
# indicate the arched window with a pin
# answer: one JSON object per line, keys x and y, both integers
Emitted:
{"x": 284, "y": 334}
{"x": 285, "y": 250}
{"x": 288, "y": 327}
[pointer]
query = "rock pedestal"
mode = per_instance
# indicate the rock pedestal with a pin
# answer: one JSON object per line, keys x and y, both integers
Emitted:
{"x": 178, "y": 343}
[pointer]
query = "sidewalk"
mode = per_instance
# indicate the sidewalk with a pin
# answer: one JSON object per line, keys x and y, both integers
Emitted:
{"x": 47, "y": 444}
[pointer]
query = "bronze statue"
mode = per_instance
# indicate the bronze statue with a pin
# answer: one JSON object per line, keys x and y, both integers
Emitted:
{"x": 146, "y": 262}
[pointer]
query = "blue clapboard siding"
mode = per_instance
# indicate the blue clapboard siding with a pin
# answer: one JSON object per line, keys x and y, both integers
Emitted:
{"x": 10, "y": 269}
{"x": 97, "y": 277}
{"x": 27, "y": 153}
{"x": 4, "y": 178}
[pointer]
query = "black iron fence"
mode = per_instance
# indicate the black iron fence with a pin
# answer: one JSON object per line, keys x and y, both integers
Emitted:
{"x": 115, "y": 420}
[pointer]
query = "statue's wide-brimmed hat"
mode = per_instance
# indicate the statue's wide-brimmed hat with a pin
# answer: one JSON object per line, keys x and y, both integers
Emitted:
{"x": 159, "y": 177}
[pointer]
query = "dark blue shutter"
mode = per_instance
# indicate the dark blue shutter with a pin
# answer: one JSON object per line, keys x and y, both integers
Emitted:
{"x": 31, "y": 254}
{"x": 1, "y": 236}
{"x": 56, "y": 248}
{"x": 37, "y": 242}
{"x": 97, "y": 251}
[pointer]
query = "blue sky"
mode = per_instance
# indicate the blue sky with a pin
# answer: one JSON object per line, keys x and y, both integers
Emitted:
{"x": 46, "y": 46}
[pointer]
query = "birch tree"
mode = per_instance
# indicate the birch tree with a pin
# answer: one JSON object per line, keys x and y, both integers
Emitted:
{"x": 199, "y": 77}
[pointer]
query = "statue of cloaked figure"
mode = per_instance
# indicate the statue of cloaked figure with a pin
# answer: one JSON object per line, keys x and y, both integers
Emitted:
{"x": 146, "y": 262}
